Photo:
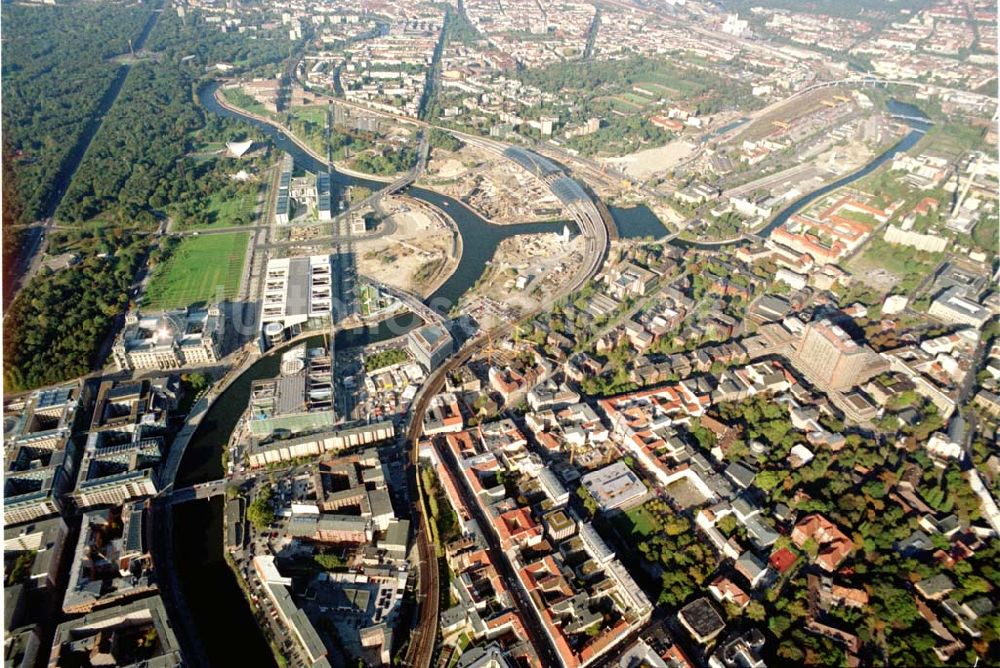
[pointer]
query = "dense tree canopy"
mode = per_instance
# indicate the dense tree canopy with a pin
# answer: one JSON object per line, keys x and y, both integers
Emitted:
{"x": 56, "y": 70}
{"x": 177, "y": 39}
{"x": 132, "y": 158}
{"x": 58, "y": 322}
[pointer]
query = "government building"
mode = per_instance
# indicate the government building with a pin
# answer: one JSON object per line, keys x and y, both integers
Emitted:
{"x": 170, "y": 339}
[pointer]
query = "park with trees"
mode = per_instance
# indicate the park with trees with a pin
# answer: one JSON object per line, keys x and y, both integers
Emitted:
{"x": 133, "y": 174}
{"x": 57, "y": 72}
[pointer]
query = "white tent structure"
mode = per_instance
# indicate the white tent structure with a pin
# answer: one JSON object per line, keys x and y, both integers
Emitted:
{"x": 238, "y": 148}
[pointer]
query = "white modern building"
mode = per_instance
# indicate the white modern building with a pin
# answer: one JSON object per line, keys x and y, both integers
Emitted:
{"x": 614, "y": 486}
{"x": 953, "y": 306}
{"x": 298, "y": 295}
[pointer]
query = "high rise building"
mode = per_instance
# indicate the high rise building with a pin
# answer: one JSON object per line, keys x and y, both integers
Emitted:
{"x": 830, "y": 357}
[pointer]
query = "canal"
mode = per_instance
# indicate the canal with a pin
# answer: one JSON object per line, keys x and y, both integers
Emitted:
{"x": 917, "y": 130}
{"x": 208, "y": 586}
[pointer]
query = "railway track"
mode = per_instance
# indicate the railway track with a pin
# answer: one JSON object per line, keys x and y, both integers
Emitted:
{"x": 421, "y": 648}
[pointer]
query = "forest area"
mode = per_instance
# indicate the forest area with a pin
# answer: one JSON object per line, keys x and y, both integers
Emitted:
{"x": 177, "y": 39}
{"x": 131, "y": 176}
{"x": 56, "y": 70}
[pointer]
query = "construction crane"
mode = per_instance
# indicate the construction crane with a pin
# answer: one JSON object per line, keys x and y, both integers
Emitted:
{"x": 489, "y": 347}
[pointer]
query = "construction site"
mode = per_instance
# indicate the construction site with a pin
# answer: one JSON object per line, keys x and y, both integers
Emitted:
{"x": 421, "y": 252}
{"x": 524, "y": 272}
{"x": 496, "y": 188}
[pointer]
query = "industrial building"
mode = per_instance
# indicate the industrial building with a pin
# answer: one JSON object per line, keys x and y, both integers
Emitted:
{"x": 170, "y": 339}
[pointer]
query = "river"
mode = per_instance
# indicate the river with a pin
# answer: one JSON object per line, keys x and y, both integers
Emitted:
{"x": 480, "y": 238}
{"x": 636, "y": 222}
{"x": 208, "y": 586}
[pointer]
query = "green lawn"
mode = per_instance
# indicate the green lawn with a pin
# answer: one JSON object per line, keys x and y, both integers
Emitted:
{"x": 858, "y": 217}
{"x": 313, "y": 113}
{"x": 683, "y": 82}
{"x": 907, "y": 264}
{"x": 642, "y": 521}
{"x": 623, "y": 106}
{"x": 637, "y": 98}
{"x": 660, "y": 89}
{"x": 370, "y": 300}
{"x": 238, "y": 98}
{"x": 951, "y": 139}
{"x": 201, "y": 270}
{"x": 984, "y": 234}
{"x": 630, "y": 100}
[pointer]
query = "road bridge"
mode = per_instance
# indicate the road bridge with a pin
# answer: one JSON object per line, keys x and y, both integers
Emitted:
{"x": 205, "y": 490}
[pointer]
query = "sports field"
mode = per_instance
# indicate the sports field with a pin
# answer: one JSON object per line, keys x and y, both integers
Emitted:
{"x": 201, "y": 270}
